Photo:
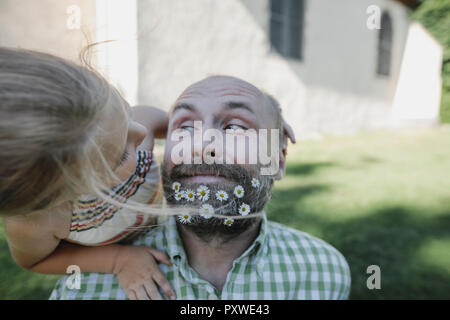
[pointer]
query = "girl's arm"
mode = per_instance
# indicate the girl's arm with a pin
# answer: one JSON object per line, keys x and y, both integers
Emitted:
{"x": 134, "y": 266}
{"x": 35, "y": 244}
{"x": 154, "y": 119}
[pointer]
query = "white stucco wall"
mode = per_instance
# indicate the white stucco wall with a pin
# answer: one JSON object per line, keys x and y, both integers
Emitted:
{"x": 418, "y": 94}
{"x": 334, "y": 89}
{"x": 161, "y": 47}
{"x": 43, "y": 25}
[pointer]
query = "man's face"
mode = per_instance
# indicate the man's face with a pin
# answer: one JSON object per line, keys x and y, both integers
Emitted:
{"x": 220, "y": 103}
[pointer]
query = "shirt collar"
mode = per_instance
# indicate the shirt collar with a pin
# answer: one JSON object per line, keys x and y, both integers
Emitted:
{"x": 175, "y": 246}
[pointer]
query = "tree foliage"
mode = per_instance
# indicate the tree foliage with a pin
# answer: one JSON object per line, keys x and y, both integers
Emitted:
{"x": 435, "y": 17}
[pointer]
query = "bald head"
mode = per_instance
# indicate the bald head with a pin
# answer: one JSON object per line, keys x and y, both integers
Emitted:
{"x": 219, "y": 89}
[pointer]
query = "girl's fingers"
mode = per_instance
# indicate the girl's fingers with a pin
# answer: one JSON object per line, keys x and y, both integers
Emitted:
{"x": 152, "y": 290}
{"x": 164, "y": 284}
{"x": 131, "y": 295}
{"x": 141, "y": 294}
{"x": 160, "y": 256}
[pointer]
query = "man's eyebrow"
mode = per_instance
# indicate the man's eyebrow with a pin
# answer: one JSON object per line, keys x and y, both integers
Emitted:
{"x": 239, "y": 105}
{"x": 183, "y": 106}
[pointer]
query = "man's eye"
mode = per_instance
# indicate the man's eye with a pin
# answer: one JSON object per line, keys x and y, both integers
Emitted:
{"x": 187, "y": 128}
{"x": 235, "y": 127}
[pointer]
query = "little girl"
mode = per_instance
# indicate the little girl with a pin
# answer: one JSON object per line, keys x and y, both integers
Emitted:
{"x": 64, "y": 133}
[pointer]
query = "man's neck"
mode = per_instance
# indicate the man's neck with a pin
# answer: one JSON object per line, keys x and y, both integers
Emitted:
{"x": 214, "y": 259}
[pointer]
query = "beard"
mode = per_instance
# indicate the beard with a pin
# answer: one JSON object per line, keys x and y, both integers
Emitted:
{"x": 232, "y": 175}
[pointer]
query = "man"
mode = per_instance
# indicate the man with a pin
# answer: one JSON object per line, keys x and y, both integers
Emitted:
{"x": 227, "y": 249}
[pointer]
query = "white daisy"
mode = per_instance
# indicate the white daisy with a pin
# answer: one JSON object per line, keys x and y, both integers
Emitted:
{"x": 206, "y": 211}
{"x": 189, "y": 195}
{"x": 179, "y": 195}
{"x": 228, "y": 221}
{"x": 244, "y": 209}
{"x": 176, "y": 186}
{"x": 239, "y": 191}
{"x": 221, "y": 195}
{"x": 203, "y": 193}
{"x": 185, "y": 218}
{"x": 255, "y": 183}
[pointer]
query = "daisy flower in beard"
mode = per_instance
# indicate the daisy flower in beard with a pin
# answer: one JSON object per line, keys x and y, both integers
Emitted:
{"x": 221, "y": 195}
{"x": 189, "y": 195}
{"x": 203, "y": 193}
{"x": 228, "y": 221}
{"x": 185, "y": 218}
{"x": 179, "y": 195}
{"x": 176, "y": 186}
{"x": 206, "y": 211}
{"x": 244, "y": 209}
{"x": 239, "y": 191}
{"x": 255, "y": 183}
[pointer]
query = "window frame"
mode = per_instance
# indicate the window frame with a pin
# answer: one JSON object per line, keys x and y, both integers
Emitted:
{"x": 289, "y": 42}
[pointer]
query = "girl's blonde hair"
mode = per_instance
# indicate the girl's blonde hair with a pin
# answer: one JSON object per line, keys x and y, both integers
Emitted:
{"x": 51, "y": 113}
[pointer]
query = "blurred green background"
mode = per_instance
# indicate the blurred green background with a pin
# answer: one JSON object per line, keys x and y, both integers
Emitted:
{"x": 381, "y": 198}
{"x": 435, "y": 17}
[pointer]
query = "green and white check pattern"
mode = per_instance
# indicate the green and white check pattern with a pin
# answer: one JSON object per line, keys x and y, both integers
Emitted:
{"x": 282, "y": 263}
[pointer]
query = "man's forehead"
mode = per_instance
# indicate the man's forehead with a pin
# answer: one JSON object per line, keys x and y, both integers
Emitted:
{"x": 221, "y": 87}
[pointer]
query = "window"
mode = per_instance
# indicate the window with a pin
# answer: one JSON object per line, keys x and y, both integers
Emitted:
{"x": 385, "y": 45}
{"x": 286, "y": 26}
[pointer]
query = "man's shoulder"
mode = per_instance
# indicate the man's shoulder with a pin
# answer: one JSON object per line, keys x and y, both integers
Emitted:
{"x": 295, "y": 239}
{"x": 316, "y": 258}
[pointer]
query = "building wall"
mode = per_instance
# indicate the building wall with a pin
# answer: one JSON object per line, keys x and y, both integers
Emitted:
{"x": 418, "y": 95}
{"x": 334, "y": 89}
{"x": 43, "y": 25}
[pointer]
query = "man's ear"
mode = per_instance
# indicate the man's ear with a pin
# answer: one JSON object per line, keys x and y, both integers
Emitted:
{"x": 282, "y": 161}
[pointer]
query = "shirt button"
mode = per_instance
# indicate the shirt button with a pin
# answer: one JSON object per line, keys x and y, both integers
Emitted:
{"x": 212, "y": 296}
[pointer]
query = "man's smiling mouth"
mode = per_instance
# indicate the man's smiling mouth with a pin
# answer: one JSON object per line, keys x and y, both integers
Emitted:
{"x": 204, "y": 179}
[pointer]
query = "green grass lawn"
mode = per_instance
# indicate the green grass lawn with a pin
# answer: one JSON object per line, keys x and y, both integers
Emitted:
{"x": 380, "y": 198}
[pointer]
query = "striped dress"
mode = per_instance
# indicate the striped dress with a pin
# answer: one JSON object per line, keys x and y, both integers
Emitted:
{"x": 96, "y": 222}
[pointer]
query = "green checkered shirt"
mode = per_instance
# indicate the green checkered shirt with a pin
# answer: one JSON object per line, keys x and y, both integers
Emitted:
{"x": 282, "y": 263}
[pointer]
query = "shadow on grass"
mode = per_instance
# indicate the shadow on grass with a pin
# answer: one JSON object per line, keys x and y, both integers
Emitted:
{"x": 307, "y": 168}
{"x": 388, "y": 237}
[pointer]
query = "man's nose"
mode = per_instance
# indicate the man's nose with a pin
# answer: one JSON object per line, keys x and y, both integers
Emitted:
{"x": 205, "y": 144}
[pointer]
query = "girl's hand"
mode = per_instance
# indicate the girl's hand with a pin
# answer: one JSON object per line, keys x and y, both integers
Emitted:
{"x": 139, "y": 274}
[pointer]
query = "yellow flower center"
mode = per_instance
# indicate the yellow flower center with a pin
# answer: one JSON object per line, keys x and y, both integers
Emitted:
{"x": 239, "y": 191}
{"x": 202, "y": 192}
{"x": 243, "y": 209}
{"x": 186, "y": 216}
